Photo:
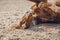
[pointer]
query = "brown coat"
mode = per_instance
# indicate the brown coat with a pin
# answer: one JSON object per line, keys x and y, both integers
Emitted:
{"x": 43, "y": 14}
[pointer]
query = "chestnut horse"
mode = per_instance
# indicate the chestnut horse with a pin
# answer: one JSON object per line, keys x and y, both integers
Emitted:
{"x": 41, "y": 13}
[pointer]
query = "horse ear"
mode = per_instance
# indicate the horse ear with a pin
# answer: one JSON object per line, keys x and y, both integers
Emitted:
{"x": 33, "y": 7}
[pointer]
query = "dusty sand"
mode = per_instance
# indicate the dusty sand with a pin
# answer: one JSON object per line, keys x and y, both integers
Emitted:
{"x": 11, "y": 12}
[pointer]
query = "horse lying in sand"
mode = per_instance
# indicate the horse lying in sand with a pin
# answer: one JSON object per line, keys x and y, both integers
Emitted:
{"x": 42, "y": 12}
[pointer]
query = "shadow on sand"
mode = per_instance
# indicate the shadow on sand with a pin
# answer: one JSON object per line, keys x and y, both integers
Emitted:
{"x": 39, "y": 28}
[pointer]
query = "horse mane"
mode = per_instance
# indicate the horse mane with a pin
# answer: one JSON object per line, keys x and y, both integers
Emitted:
{"x": 38, "y": 1}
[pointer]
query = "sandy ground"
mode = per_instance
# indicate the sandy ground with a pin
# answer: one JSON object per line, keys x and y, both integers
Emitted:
{"x": 11, "y": 12}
